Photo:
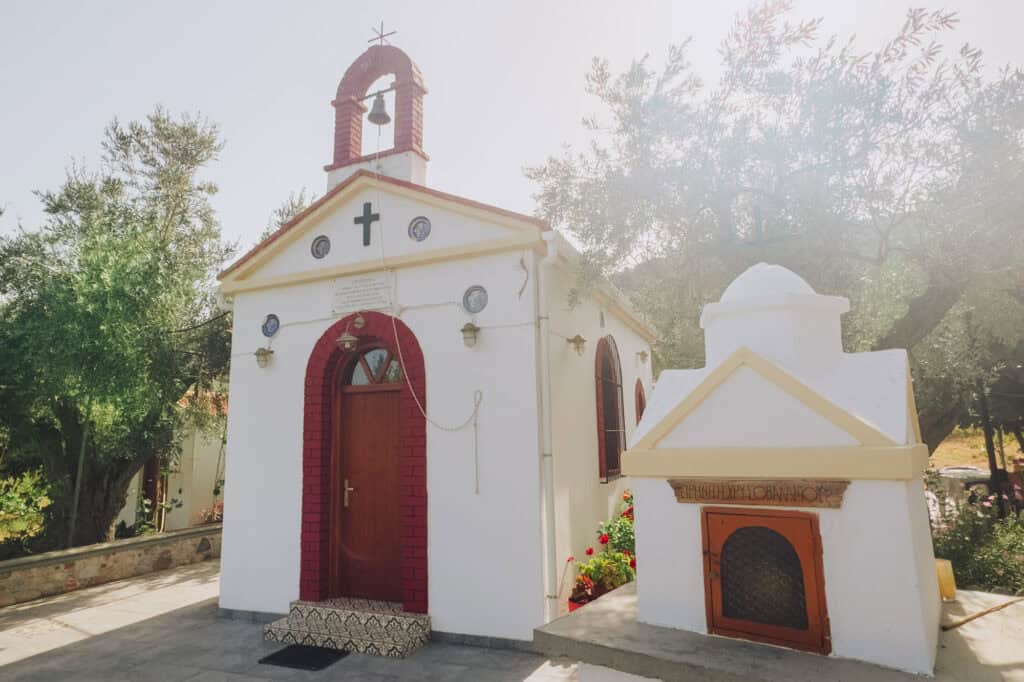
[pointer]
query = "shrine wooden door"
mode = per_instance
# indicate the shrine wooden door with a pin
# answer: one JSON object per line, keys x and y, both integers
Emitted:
{"x": 763, "y": 577}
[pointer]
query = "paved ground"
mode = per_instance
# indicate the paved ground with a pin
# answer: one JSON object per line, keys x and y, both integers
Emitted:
{"x": 130, "y": 630}
{"x": 988, "y": 649}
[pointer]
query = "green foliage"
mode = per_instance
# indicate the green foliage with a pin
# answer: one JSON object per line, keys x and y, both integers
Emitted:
{"x": 615, "y": 564}
{"x": 289, "y": 208}
{"x": 617, "y": 533}
{"x": 889, "y": 176}
{"x": 986, "y": 552}
{"x": 607, "y": 570}
{"x": 22, "y": 501}
{"x": 107, "y": 315}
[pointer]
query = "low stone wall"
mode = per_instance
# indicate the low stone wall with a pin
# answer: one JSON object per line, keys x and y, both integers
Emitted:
{"x": 29, "y": 578}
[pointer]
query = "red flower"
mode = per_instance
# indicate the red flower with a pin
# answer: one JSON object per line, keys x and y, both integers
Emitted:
{"x": 628, "y": 513}
{"x": 625, "y": 497}
{"x": 632, "y": 562}
{"x": 604, "y": 538}
{"x": 590, "y": 550}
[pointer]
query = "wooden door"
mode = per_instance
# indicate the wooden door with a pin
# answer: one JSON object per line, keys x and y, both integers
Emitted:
{"x": 365, "y": 543}
{"x": 763, "y": 577}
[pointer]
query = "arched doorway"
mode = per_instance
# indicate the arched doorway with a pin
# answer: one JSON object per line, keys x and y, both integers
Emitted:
{"x": 364, "y": 547}
{"x": 364, "y": 499}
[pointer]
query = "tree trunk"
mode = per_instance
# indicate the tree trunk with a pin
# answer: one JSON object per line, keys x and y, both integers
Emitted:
{"x": 98, "y": 507}
{"x": 996, "y": 475}
{"x": 924, "y": 313}
{"x": 935, "y": 428}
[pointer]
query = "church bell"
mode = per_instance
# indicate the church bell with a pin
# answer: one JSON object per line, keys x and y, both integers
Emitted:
{"x": 379, "y": 113}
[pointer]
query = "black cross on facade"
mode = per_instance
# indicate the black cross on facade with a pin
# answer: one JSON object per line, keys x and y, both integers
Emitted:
{"x": 366, "y": 220}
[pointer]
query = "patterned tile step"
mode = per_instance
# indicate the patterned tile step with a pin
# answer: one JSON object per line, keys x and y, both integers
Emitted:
{"x": 283, "y": 632}
{"x": 360, "y": 618}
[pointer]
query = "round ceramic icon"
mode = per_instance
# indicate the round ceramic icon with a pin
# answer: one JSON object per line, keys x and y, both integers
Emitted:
{"x": 475, "y": 299}
{"x": 419, "y": 228}
{"x": 271, "y": 323}
{"x": 321, "y": 246}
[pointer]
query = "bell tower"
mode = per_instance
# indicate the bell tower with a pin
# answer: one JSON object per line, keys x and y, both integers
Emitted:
{"x": 406, "y": 160}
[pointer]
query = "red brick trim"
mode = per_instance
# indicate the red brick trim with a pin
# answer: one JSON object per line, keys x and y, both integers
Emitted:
{"x": 349, "y": 181}
{"x": 316, "y": 458}
{"x": 377, "y": 61}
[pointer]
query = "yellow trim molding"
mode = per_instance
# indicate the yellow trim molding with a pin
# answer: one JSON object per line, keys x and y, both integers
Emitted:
{"x": 629, "y": 317}
{"x": 864, "y": 433}
{"x": 877, "y": 463}
{"x": 915, "y": 423}
{"x": 485, "y": 248}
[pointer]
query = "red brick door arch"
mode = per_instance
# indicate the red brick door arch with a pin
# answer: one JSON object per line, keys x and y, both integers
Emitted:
{"x": 323, "y": 363}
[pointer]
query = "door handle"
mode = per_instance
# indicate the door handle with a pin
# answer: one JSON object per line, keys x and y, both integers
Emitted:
{"x": 347, "y": 491}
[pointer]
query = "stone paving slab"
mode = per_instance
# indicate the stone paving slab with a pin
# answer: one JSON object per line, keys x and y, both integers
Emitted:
{"x": 128, "y": 631}
{"x": 36, "y": 627}
{"x": 606, "y": 633}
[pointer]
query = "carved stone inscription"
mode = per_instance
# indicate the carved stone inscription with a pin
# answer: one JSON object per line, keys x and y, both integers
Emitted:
{"x": 797, "y": 492}
{"x": 368, "y": 292}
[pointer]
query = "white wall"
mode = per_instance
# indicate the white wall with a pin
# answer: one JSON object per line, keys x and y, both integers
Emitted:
{"x": 484, "y": 550}
{"x": 750, "y": 409}
{"x": 581, "y": 500}
{"x": 880, "y": 585}
{"x": 192, "y": 482}
{"x": 408, "y": 166}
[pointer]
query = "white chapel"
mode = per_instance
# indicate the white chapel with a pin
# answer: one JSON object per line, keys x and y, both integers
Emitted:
{"x": 422, "y": 427}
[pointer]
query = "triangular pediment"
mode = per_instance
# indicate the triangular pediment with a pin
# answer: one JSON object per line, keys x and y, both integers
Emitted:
{"x": 458, "y": 228}
{"x": 765, "y": 406}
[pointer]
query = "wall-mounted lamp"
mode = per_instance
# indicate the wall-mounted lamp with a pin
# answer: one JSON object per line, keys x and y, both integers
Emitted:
{"x": 263, "y": 356}
{"x": 470, "y": 332}
{"x": 348, "y": 342}
{"x": 643, "y": 357}
{"x": 578, "y": 343}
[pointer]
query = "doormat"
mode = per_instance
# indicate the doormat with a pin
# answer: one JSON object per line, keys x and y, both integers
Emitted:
{"x": 302, "y": 657}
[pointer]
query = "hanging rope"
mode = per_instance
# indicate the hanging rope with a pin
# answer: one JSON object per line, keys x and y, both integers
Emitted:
{"x": 478, "y": 395}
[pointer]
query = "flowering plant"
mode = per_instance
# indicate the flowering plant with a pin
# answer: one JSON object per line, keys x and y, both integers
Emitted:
{"x": 615, "y": 564}
{"x": 213, "y": 515}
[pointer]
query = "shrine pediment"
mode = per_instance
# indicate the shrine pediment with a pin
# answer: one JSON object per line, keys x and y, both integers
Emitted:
{"x": 370, "y": 223}
{"x": 749, "y": 416}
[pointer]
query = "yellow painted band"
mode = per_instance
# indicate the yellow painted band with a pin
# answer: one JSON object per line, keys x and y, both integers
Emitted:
{"x": 489, "y": 247}
{"x": 883, "y": 463}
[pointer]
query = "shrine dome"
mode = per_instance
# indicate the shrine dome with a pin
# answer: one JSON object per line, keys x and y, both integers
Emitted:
{"x": 764, "y": 280}
{"x": 774, "y": 312}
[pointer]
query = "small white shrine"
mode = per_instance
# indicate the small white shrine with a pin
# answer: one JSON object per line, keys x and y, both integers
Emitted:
{"x": 422, "y": 428}
{"x": 779, "y": 489}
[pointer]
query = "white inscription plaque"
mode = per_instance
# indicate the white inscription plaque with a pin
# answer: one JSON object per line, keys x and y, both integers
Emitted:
{"x": 366, "y": 292}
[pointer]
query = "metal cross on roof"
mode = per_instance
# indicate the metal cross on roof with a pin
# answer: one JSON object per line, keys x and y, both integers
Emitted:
{"x": 379, "y": 34}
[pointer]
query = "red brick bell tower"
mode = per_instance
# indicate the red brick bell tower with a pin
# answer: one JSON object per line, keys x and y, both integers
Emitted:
{"x": 406, "y": 160}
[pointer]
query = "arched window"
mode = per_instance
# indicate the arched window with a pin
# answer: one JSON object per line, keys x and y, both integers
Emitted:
{"x": 641, "y": 400}
{"x": 611, "y": 434}
{"x": 372, "y": 367}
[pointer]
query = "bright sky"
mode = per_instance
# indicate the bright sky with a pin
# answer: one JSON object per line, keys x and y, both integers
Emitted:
{"x": 505, "y": 80}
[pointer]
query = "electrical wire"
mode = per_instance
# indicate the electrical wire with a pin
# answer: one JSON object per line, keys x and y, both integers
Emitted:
{"x": 478, "y": 395}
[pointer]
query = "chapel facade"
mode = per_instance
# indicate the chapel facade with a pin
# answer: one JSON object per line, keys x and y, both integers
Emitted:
{"x": 422, "y": 428}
